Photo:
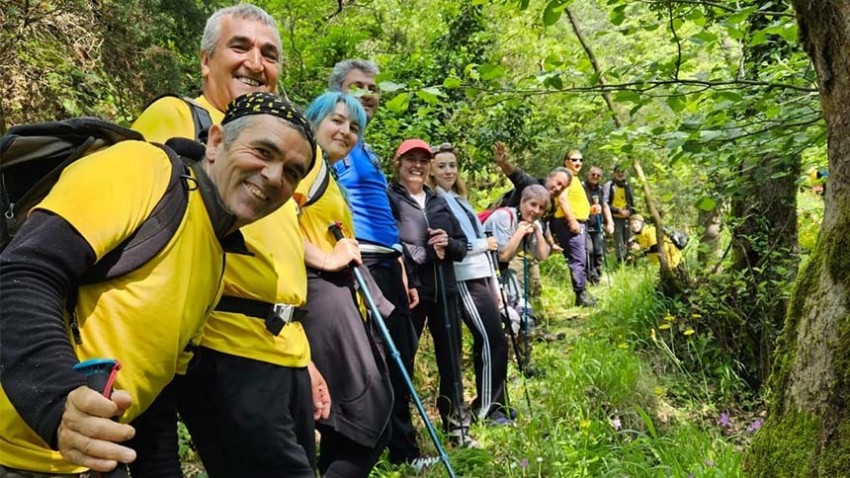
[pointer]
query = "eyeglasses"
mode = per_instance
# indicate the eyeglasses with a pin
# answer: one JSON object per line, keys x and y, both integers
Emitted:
{"x": 595, "y": 175}
{"x": 443, "y": 148}
{"x": 576, "y": 160}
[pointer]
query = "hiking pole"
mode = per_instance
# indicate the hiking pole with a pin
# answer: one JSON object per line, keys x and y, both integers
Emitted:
{"x": 336, "y": 229}
{"x": 493, "y": 259}
{"x": 453, "y": 352}
{"x": 524, "y": 320}
{"x": 604, "y": 252}
{"x": 100, "y": 375}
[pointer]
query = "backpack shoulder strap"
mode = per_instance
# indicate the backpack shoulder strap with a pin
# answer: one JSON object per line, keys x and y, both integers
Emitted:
{"x": 153, "y": 234}
{"x": 200, "y": 116}
{"x": 320, "y": 185}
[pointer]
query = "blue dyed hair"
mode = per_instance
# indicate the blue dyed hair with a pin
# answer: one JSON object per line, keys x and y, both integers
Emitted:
{"x": 325, "y": 104}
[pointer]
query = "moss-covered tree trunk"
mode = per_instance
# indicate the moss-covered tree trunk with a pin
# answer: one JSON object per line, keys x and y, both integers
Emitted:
{"x": 807, "y": 433}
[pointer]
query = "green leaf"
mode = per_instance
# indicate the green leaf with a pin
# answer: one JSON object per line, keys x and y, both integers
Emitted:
{"x": 490, "y": 72}
{"x": 429, "y": 95}
{"x": 705, "y": 203}
{"x": 625, "y": 96}
{"x": 732, "y": 96}
{"x": 551, "y": 62}
{"x": 399, "y": 103}
{"x": 704, "y": 37}
{"x": 618, "y": 15}
{"x": 676, "y": 103}
{"x": 452, "y": 82}
{"x": 390, "y": 87}
{"x": 692, "y": 146}
{"x": 554, "y": 82}
{"x": 523, "y": 4}
{"x": 553, "y": 11}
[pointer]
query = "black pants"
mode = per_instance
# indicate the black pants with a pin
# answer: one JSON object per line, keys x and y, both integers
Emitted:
{"x": 255, "y": 419}
{"x": 388, "y": 275}
{"x": 447, "y": 350}
{"x": 595, "y": 255}
{"x": 349, "y": 459}
{"x": 249, "y": 418}
{"x": 490, "y": 349}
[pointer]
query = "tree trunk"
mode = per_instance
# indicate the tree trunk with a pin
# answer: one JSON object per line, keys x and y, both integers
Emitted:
{"x": 807, "y": 432}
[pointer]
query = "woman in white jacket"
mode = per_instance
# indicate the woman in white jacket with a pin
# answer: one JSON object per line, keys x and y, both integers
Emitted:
{"x": 477, "y": 293}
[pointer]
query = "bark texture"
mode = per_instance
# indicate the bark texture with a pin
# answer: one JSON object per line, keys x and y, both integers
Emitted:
{"x": 807, "y": 433}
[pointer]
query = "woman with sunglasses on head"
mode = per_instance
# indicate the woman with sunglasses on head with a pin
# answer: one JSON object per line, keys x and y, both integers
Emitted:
{"x": 477, "y": 291}
{"x": 431, "y": 240}
{"x": 341, "y": 341}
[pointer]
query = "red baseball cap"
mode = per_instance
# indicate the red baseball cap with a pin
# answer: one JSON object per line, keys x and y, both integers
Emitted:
{"x": 409, "y": 145}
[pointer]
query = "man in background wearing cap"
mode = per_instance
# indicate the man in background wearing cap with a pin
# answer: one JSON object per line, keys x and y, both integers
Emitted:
{"x": 377, "y": 234}
{"x": 619, "y": 202}
{"x": 144, "y": 318}
{"x": 254, "y": 333}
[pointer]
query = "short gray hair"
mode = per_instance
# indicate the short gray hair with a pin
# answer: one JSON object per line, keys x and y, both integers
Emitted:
{"x": 535, "y": 191}
{"x": 246, "y": 11}
{"x": 342, "y": 68}
{"x": 560, "y": 170}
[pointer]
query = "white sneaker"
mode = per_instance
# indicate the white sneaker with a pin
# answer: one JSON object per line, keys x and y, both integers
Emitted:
{"x": 424, "y": 462}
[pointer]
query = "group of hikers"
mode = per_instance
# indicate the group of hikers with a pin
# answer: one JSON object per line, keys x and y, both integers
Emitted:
{"x": 218, "y": 271}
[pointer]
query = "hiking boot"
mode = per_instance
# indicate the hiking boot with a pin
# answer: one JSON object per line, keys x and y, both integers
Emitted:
{"x": 498, "y": 418}
{"x": 460, "y": 438}
{"x": 423, "y": 463}
{"x": 583, "y": 299}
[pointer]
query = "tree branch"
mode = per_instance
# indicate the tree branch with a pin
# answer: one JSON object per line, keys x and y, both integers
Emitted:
{"x": 718, "y": 6}
{"x": 595, "y": 64}
{"x": 678, "y": 42}
{"x": 337, "y": 12}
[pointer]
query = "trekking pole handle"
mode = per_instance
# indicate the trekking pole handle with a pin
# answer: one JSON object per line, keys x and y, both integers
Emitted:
{"x": 336, "y": 230}
{"x": 100, "y": 376}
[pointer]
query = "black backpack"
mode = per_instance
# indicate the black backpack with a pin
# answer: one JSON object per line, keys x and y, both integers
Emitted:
{"x": 32, "y": 157}
{"x": 678, "y": 238}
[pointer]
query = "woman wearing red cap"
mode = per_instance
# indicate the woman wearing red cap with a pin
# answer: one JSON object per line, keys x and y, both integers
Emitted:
{"x": 432, "y": 240}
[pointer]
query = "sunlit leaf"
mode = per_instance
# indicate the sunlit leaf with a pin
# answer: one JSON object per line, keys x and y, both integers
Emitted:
{"x": 399, "y": 103}
{"x": 553, "y": 11}
{"x": 676, "y": 103}
{"x": 618, "y": 15}
{"x": 390, "y": 87}
{"x": 706, "y": 203}
{"x": 452, "y": 82}
{"x": 490, "y": 72}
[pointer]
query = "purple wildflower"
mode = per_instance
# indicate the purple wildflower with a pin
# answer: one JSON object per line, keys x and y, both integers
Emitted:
{"x": 690, "y": 475}
{"x": 708, "y": 463}
{"x": 724, "y": 420}
{"x": 616, "y": 423}
{"x": 524, "y": 463}
{"x": 755, "y": 426}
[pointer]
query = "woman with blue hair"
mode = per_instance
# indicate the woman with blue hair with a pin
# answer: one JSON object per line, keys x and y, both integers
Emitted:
{"x": 341, "y": 340}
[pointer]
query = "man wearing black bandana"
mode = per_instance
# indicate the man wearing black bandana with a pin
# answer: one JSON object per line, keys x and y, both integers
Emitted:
{"x": 144, "y": 318}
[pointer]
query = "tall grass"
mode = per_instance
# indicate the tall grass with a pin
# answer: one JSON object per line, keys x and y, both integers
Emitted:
{"x": 607, "y": 399}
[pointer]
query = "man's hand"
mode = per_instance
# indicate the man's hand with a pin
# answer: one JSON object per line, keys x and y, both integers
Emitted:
{"x": 556, "y": 247}
{"x": 575, "y": 227}
{"x": 321, "y": 395}
{"x": 87, "y": 435}
{"x": 609, "y": 228}
{"x": 500, "y": 153}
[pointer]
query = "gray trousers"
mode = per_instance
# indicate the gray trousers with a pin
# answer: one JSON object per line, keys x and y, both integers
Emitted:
{"x": 622, "y": 234}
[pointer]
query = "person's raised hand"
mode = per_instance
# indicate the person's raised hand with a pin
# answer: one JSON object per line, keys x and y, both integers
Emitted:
{"x": 87, "y": 434}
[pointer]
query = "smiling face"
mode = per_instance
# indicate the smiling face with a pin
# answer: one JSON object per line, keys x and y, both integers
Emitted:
{"x": 246, "y": 59}
{"x": 259, "y": 170}
{"x": 337, "y": 133}
{"x": 413, "y": 168}
{"x": 573, "y": 163}
{"x": 362, "y": 86}
{"x": 444, "y": 170}
{"x": 556, "y": 184}
{"x": 532, "y": 209}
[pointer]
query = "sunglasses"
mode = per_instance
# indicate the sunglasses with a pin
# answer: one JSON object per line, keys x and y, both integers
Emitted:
{"x": 595, "y": 175}
{"x": 443, "y": 148}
